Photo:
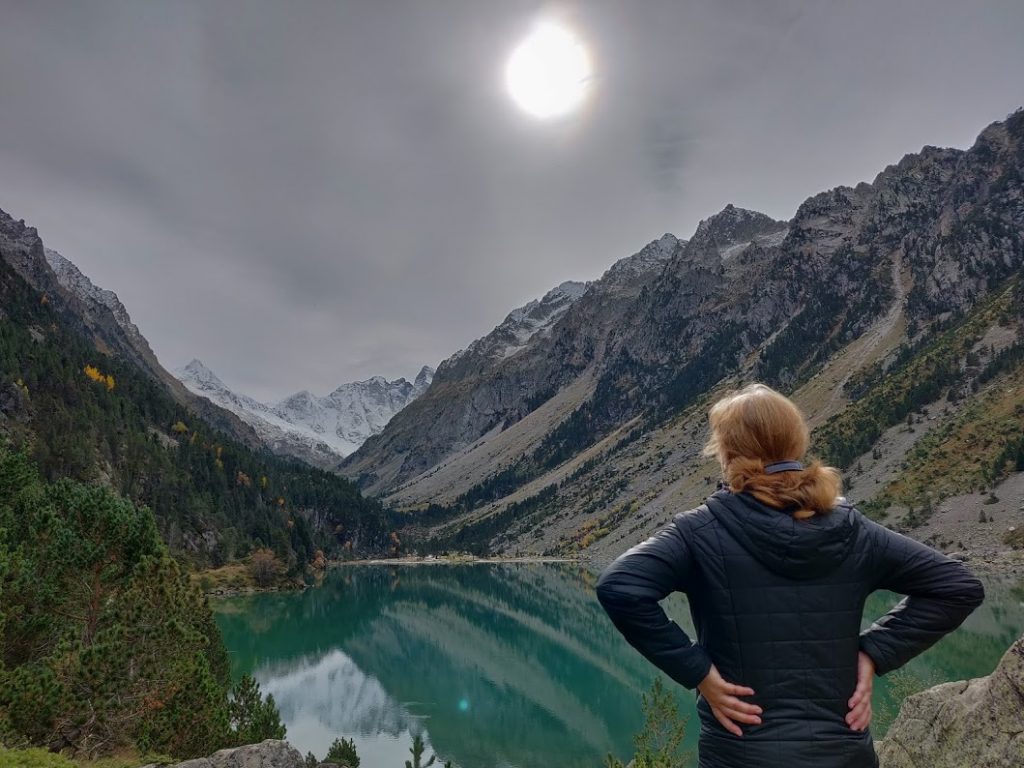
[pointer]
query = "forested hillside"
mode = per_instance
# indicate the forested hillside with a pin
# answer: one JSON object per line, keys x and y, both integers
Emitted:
{"x": 86, "y": 411}
{"x": 104, "y": 644}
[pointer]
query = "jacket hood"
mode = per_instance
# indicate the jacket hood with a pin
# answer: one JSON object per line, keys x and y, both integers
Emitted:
{"x": 797, "y": 549}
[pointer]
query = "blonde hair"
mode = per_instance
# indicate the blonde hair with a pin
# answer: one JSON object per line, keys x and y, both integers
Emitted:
{"x": 755, "y": 426}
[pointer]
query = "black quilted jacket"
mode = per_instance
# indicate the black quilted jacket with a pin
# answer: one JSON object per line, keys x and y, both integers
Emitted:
{"x": 777, "y": 605}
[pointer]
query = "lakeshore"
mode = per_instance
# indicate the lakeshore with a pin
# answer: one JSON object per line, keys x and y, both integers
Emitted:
{"x": 456, "y": 560}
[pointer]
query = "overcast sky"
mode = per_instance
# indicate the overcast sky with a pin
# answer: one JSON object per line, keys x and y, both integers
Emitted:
{"x": 307, "y": 193}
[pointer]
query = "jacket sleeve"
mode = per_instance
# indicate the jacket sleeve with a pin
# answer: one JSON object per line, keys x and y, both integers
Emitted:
{"x": 940, "y": 594}
{"x": 629, "y": 590}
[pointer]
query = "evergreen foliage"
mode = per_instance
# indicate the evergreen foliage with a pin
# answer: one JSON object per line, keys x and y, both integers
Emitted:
{"x": 252, "y": 717}
{"x": 417, "y": 749}
{"x": 104, "y": 643}
{"x": 343, "y": 752}
{"x": 908, "y": 386}
{"x": 659, "y": 743}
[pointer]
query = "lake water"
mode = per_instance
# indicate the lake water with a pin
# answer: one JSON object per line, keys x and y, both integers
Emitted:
{"x": 496, "y": 665}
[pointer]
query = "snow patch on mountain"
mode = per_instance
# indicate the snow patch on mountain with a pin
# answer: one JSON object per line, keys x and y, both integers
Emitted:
{"x": 319, "y": 429}
{"x": 525, "y": 322}
{"x": 651, "y": 258}
{"x": 72, "y": 279}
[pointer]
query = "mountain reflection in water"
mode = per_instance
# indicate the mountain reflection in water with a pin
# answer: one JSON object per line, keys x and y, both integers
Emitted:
{"x": 498, "y": 664}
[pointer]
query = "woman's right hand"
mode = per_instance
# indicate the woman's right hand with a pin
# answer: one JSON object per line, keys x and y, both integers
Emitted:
{"x": 725, "y": 705}
{"x": 859, "y": 716}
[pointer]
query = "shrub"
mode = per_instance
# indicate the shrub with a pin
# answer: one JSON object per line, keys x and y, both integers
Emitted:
{"x": 264, "y": 567}
{"x": 659, "y": 743}
{"x": 343, "y": 752}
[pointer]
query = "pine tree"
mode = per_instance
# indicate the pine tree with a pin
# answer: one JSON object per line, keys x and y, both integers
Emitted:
{"x": 253, "y": 718}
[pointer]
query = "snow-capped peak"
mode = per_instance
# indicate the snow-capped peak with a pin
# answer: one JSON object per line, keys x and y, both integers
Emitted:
{"x": 197, "y": 373}
{"x": 322, "y": 429}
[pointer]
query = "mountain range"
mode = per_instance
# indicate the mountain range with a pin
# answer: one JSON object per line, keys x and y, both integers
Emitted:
{"x": 319, "y": 430}
{"x": 891, "y": 311}
{"x": 878, "y": 307}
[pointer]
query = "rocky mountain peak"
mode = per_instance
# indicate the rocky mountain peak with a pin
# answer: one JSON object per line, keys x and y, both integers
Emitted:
{"x": 196, "y": 375}
{"x": 647, "y": 261}
{"x": 727, "y": 233}
{"x": 423, "y": 378}
{"x": 519, "y": 326}
{"x": 317, "y": 429}
{"x": 734, "y": 225}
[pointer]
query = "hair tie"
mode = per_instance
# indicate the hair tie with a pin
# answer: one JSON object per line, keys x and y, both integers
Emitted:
{"x": 782, "y": 466}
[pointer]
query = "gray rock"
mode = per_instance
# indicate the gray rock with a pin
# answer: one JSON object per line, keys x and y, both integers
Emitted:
{"x": 271, "y": 753}
{"x": 977, "y": 722}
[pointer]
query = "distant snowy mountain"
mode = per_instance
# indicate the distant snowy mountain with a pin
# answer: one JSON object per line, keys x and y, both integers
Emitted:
{"x": 316, "y": 429}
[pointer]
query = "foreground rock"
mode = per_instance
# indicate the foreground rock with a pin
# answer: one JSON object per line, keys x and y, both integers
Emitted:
{"x": 978, "y": 722}
{"x": 267, "y": 754}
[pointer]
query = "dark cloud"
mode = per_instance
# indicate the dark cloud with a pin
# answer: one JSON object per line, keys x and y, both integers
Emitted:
{"x": 308, "y": 193}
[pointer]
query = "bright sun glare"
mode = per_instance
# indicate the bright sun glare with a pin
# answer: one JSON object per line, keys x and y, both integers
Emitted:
{"x": 548, "y": 73}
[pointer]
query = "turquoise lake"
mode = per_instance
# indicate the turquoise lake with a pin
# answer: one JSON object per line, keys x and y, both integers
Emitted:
{"x": 496, "y": 665}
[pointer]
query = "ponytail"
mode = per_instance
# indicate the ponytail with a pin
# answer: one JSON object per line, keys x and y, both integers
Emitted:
{"x": 808, "y": 491}
{"x": 757, "y": 426}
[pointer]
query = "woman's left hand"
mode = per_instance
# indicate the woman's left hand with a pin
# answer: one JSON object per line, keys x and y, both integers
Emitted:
{"x": 726, "y": 707}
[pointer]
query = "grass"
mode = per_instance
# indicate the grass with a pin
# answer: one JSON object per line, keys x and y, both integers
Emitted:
{"x": 41, "y": 758}
{"x": 230, "y": 577}
{"x": 233, "y": 577}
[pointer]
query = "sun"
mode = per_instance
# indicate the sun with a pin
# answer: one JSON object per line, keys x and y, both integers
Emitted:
{"x": 549, "y": 72}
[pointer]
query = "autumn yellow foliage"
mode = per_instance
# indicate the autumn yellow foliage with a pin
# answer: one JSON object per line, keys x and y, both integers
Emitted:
{"x": 99, "y": 377}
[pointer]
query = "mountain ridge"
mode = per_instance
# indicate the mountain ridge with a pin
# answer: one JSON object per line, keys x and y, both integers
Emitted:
{"x": 318, "y": 430}
{"x": 858, "y": 278}
{"x": 82, "y": 395}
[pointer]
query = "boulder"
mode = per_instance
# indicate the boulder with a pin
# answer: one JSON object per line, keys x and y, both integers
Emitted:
{"x": 271, "y": 753}
{"x": 977, "y": 723}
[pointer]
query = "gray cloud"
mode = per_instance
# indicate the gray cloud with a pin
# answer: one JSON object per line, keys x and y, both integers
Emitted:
{"x": 308, "y": 193}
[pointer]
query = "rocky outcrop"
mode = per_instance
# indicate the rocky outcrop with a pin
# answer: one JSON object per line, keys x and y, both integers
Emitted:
{"x": 978, "y": 722}
{"x": 267, "y": 754}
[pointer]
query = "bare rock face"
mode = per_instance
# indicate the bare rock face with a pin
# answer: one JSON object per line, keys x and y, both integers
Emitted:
{"x": 267, "y": 754}
{"x": 978, "y": 722}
